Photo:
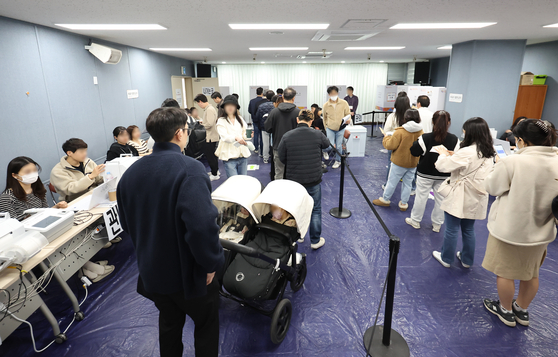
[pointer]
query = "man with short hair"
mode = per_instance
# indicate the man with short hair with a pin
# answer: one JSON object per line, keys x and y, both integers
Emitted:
{"x": 258, "y": 123}
{"x": 217, "y": 98}
{"x": 279, "y": 121}
{"x": 254, "y": 101}
{"x": 264, "y": 107}
{"x": 75, "y": 174}
{"x": 280, "y": 92}
{"x": 352, "y": 100}
{"x": 423, "y": 102}
{"x": 209, "y": 121}
{"x": 301, "y": 152}
{"x": 334, "y": 111}
{"x": 165, "y": 205}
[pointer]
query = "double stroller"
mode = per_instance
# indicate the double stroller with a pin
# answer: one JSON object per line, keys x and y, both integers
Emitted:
{"x": 259, "y": 232}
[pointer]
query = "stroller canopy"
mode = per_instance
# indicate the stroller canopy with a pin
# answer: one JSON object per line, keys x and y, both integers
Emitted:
{"x": 290, "y": 196}
{"x": 240, "y": 189}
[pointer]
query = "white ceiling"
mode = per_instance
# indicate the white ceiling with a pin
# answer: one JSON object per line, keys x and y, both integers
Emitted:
{"x": 204, "y": 23}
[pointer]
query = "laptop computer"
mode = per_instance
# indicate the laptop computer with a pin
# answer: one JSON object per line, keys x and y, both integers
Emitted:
{"x": 98, "y": 197}
{"x": 502, "y": 145}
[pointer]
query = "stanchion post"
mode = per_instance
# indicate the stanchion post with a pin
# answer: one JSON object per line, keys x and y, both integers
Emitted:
{"x": 340, "y": 212}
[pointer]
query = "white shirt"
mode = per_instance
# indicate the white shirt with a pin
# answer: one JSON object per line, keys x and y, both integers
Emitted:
{"x": 228, "y": 147}
{"x": 426, "y": 119}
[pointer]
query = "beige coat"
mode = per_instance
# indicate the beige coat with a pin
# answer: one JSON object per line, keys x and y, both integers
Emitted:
{"x": 71, "y": 183}
{"x": 467, "y": 201}
{"x": 334, "y": 115}
{"x": 209, "y": 121}
{"x": 524, "y": 185}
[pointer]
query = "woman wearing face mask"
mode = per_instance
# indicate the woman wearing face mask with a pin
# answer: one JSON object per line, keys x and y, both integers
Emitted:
{"x": 121, "y": 146}
{"x": 25, "y": 190}
{"x": 233, "y": 145}
{"x": 521, "y": 223}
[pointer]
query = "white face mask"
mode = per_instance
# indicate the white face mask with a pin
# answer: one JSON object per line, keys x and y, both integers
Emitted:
{"x": 333, "y": 98}
{"x": 29, "y": 178}
{"x": 277, "y": 214}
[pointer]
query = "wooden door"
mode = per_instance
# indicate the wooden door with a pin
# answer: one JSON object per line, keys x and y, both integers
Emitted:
{"x": 530, "y": 101}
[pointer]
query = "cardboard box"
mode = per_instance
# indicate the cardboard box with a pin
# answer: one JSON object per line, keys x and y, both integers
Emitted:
{"x": 540, "y": 79}
{"x": 526, "y": 78}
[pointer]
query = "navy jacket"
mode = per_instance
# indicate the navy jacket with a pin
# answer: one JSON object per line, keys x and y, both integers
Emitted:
{"x": 263, "y": 109}
{"x": 252, "y": 106}
{"x": 301, "y": 152}
{"x": 165, "y": 205}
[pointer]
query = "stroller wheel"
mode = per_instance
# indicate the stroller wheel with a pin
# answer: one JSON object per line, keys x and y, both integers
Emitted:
{"x": 281, "y": 320}
{"x": 301, "y": 271}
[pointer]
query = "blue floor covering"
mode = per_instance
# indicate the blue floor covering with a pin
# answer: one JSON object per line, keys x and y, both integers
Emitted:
{"x": 438, "y": 311}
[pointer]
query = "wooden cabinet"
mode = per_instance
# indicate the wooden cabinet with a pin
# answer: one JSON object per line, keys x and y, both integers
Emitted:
{"x": 530, "y": 101}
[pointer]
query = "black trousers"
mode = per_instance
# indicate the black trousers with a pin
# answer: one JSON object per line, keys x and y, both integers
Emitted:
{"x": 209, "y": 152}
{"x": 172, "y": 317}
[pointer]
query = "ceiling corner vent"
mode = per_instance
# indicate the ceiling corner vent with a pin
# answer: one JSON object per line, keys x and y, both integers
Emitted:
{"x": 315, "y": 55}
{"x": 362, "y": 23}
{"x": 343, "y": 35}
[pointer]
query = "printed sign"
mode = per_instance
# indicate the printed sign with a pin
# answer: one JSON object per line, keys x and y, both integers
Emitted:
{"x": 456, "y": 98}
{"x": 391, "y": 97}
{"x": 132, "y": 93}
{"x": 112, "y": 222}
{"x": 208, "y": 90}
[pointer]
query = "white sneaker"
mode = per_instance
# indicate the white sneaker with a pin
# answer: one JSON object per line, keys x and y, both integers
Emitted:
{"x": 218, "y": 173}
{"x": 301, "y": 240}
{"x": 466, "y": 266}
{"x": 438, "y": 256}
{"x": 336, "y": 164}
{"x": 214, "y": 178}
{"x": 383, "y": 186}
{"x": 326, "y": 155}
{"x": 413, "y": 192}
{"x": 319, "y": 244}
{"x": 415, "y": 225}
{"x": 436, "y": 227}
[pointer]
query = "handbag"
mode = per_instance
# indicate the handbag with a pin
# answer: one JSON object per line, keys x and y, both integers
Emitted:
{"x": 447, "y": 187}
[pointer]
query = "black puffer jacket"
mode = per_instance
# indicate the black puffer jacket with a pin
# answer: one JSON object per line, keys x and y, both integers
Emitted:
{"x": 280, "y": 120}
{"x": 301, "y": 152}
{"x": 263, "y": 109}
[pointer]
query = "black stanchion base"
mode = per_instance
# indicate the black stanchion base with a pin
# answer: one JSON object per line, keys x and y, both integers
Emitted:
{"x": 344, "y": 213}
{"x": 397, "y": 348}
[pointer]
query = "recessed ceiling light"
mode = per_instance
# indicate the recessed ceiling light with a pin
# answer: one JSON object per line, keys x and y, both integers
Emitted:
{"x": 303, "y": 61}
{"x": 278, "y": 26}
{"x": 278, "y": 48}
{"x": 115, "y": 27}
{"x": 262, "y": 62}
{"x": 374, "y": 48}
{"x": 342, "y": 61}
{"x": 382, "y": 61}
{"x": 442, "y": 25}
{"x": 448, "y": 47}
{"x": 223, "y": 62}
{"x": 552, "y": 25}
{"x": 177, "y": 49}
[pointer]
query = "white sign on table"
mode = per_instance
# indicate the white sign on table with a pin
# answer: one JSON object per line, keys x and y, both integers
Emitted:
{"x": 112, "y": 222}
{"x": 456, "y": 98}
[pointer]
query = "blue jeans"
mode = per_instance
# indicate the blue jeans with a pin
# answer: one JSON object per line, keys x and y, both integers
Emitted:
{"x": 316, "y": 220}
{"x": 389, "y": 166}
{"x": 258, "y": 139}
{"x": 336, "y": 138}
{"x": 450, "y": 239}
{"x": 396, "y": 173}
{"x": 238, "y": 166}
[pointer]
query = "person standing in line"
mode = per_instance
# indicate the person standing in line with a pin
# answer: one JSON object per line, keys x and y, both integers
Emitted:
{"x": 261, "y": 116}
{"x": 352, "y": 100}
{"x": 258, "y": 124}
{"x": 195, "y": 114}
{"x": 217, "y": 98}
{"x": 254, "y": 101}
{"x": 521, "y": 223}
{"x": 395, "y": 120}
{"x": 423, "y": 102}
{"x": 209, "y": 121}
{"x": 136, "y": 141}
{"x": 277, "y": 99}
{"x": 175, "y": 236}
{"x": 279, "y": 121}
{"x": 403, "y": 164}
{"x": 233, "y": 148}
{"x": 428, "y": 177}
{"x": 334, "y": 112}
{"x": 279, "y": 92}
{"x": 466, "y": 200}
{"x": 301, "y": 152}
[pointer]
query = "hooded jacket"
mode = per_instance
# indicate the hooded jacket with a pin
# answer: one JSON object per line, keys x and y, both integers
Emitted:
{"x": 263, "y": 109}
{"x": 401, "y": 142}
{"x": 70, "y": 183}
{"x": 280, "y": 120}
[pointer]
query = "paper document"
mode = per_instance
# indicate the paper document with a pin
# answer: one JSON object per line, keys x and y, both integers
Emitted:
{"x": 436, "y": 149}
{"x": 253, "y": 167}
{"x": 82, "y": 205}
{"x": 346, "y": 119}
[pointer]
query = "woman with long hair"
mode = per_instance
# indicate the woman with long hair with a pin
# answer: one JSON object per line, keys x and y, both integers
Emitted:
{"x": 521, "y": 223}
{"x": 428, "y": 178}
{"x": 465, "y": 200}
{"x": 395, "y": 120}
{"x": 136, "y": 141}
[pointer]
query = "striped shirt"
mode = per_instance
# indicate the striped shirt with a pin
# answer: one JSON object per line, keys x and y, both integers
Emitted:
{"x": 141, "y": 148}
{"x": 15, "y": 207}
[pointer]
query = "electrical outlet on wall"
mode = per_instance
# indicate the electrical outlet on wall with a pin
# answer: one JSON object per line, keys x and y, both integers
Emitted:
{"x": 95, "y": 80}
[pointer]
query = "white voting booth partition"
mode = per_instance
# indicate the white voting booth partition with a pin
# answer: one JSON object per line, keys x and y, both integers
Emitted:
{"x": 386, "y": 95}
{"x": 225, "y": 91}
{"x": 301, "y": 98}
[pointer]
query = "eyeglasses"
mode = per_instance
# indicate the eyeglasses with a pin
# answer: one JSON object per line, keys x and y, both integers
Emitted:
{"x": 188, "y": 131}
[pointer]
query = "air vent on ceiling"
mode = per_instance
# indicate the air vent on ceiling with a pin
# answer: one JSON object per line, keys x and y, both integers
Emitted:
{"x": 315, "y": 55}
{"x": 362, "y": 23}
{"x": 281, "y": 55}
{"x": 343, "y": 35}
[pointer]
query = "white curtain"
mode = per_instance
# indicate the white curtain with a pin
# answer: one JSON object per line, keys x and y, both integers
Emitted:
{"x": 363, "y": 77}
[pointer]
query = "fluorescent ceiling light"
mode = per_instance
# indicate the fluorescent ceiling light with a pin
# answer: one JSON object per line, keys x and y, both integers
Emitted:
{"x": 176, "y": 49}
{"x": 342, "y": 61}
{"x": 374, "y": 48}
{"x": 115, "y": 27}
{"x": 442, "y": 25}
{"x": 448, "y": 47}
{"x": 223, "y": 62}
{"x": 262, "y": 62}
{"x": 278, "y": 26}
{"x": 278, "y": 48}
{"x": 303, "y": 61}
{"x": 382, "y": 61}
{"x": 553, "y": 25}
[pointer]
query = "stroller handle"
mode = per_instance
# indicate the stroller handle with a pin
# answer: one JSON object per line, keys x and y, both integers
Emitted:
{"x": 239, "y": 248}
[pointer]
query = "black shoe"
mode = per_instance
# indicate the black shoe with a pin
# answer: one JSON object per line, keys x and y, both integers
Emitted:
{"x": 521, "y": 317}
{"x": 494, "y": 307}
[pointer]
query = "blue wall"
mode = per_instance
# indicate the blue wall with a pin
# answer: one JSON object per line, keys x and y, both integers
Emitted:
{"x": 439, "y": 68}
{"x": 542, "y": 58}
{"x": 57, "y": 71}
{"x": 487, "y": 74}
